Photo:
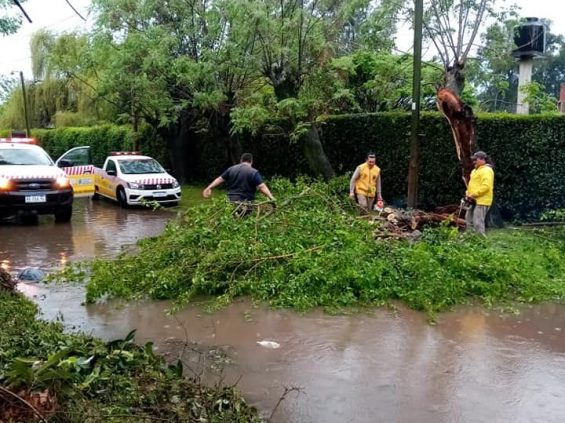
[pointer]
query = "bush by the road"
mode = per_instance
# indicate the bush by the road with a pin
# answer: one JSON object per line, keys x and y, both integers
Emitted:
{"x": 78, "y": 378}
{"x": 314, "y": 251}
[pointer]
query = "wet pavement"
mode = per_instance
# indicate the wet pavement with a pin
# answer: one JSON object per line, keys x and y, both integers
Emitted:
{"x": 386, "y": 365}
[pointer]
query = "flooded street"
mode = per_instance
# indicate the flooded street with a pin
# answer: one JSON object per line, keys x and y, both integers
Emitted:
{"x": 97, "y": 229}
{"x": 385, "y": 365}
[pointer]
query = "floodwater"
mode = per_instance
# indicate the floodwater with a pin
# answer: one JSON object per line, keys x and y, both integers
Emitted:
{"x": 97, "y": 229}
{"x": 387, "y": 365}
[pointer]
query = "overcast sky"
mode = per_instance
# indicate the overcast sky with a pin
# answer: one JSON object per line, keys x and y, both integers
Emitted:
{"x": 56, "y": 15}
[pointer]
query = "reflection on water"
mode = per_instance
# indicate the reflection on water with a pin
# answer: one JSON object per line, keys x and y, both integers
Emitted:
{"x": 97, "y": 229}
{"x": 474, "y": 366}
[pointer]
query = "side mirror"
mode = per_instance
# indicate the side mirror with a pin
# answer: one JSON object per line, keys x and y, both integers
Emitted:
{"x": 65, "y": 163}
{"x": 111, "y": 172}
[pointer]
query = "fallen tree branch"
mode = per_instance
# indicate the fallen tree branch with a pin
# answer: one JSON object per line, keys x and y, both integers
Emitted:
{"x": 25, "y": 402}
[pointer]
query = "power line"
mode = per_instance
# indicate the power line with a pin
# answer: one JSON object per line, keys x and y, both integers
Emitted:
{"x": 76, "y": 11}
{"x": 17, "y": 3}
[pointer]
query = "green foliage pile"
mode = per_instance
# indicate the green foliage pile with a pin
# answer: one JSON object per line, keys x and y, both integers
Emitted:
{"x": 94, "y": 381}
{"x": 314, "y": 251}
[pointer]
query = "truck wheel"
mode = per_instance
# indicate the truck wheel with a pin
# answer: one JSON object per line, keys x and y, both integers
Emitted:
{"x": 121, "y": 196}
{"x": 64, "y": 215}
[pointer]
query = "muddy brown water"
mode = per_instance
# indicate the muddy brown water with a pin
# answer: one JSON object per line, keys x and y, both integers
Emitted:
{"x": 475, "y": 365}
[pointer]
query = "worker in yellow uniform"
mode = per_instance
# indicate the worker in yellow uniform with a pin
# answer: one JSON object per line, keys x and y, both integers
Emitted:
{"x": 366, "y": 184}
{"x": 479, "y": 192}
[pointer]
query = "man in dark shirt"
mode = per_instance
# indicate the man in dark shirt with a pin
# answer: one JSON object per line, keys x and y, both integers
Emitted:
{"x": 242, "y": 180}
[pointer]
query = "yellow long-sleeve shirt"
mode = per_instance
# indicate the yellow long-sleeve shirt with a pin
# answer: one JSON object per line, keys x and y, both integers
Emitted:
{"x": 481, "y": 185}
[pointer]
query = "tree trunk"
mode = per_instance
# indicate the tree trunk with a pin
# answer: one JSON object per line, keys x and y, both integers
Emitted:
{"x": 462, "y": 121}
{"x": 315, "y": 154}
{"x": 455, "y": 78}
{"x": 286, "y": 83}
{"x": 223, "y": 125}
{"x": 179, "y": 146}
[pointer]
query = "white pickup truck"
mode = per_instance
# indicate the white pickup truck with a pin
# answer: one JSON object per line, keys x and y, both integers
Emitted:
{"x": 127, "y": 177}
{"x": 30, "y": 184}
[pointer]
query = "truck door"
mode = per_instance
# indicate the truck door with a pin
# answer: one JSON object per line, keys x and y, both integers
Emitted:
{"x": 77, "y": 164}
{"x": 108, "y": 181}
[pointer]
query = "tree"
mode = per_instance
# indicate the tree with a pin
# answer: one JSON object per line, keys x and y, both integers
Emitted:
{"x": 494, "y": 72}
{"x": 453, "y": 27}
{"x": 297, "y": 40}
{"x": 60, "y": 93}
{"x": 180, "y": 66}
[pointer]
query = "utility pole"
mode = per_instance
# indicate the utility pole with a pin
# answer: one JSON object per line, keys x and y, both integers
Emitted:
{"x": 28, "y": 132}
{"x": 415, "y": 126}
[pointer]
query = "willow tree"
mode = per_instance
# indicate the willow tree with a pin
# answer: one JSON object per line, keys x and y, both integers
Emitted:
{"x": 10, "y": 21}
{"x": 60, "y": 94}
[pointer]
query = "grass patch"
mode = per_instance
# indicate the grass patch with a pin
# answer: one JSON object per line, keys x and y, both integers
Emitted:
{"x": 82, "y": 379}
{"x": 191, "y": 196}
{"x": 313, "y": 251}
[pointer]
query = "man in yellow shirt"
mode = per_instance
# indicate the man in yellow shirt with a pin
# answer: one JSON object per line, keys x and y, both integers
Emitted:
{"x": 479, "y": 192}
{"x": 366, "y": 184}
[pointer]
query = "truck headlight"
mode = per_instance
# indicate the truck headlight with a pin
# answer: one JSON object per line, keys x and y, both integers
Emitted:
{"x": 5, "y": 183}
{"x": 175, "y": 184}
{"x": 62, "y": 182}
{"x": 134, "y": 185}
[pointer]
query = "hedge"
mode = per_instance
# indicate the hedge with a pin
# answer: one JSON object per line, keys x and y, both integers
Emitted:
{"x": 101, "y": 139}
{"x": 528, "y": 151}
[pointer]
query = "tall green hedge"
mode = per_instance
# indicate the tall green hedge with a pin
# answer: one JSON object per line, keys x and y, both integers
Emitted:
{"x": 528, "y": 151}
{"x": 101, "y": 139}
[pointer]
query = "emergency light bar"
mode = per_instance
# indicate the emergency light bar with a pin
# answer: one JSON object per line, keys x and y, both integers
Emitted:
{"x": 125, "y": 153}
{"x": 19, "y": 140}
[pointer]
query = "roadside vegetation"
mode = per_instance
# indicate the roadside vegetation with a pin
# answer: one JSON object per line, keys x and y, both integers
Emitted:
{"x": 191, "y": 196}
{"x": 49, "y": 375}
{"x": 313, "y": 251}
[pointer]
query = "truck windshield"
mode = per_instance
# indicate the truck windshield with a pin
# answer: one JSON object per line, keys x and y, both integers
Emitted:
{"x": 140, "y": 166}
{"x": 24, "y": 156}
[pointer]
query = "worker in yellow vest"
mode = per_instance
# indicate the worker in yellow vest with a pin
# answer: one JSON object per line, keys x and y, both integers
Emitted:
{"x": 479, "y": 192}
{"x": 365, "y": 184}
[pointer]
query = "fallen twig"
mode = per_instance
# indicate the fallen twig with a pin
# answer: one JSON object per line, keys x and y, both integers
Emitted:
{"x": 23, "y": 401}
{"x": 287, "y": 390}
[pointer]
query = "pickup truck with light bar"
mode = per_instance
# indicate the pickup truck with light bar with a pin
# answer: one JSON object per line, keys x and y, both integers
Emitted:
{"x": 30, "y": 183}
{"x": 129, "y": 178}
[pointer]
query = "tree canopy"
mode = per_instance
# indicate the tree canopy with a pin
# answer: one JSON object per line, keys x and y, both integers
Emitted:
{"x": 227, "y": 68}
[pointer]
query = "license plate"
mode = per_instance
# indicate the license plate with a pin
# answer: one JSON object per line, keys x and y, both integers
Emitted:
{"x": 85, "y": 181}
{"x": 159, "y": 194}
{"x": 35, "y": 199}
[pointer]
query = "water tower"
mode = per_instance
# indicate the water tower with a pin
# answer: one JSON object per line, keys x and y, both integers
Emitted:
{"x": 530, "y": 41}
